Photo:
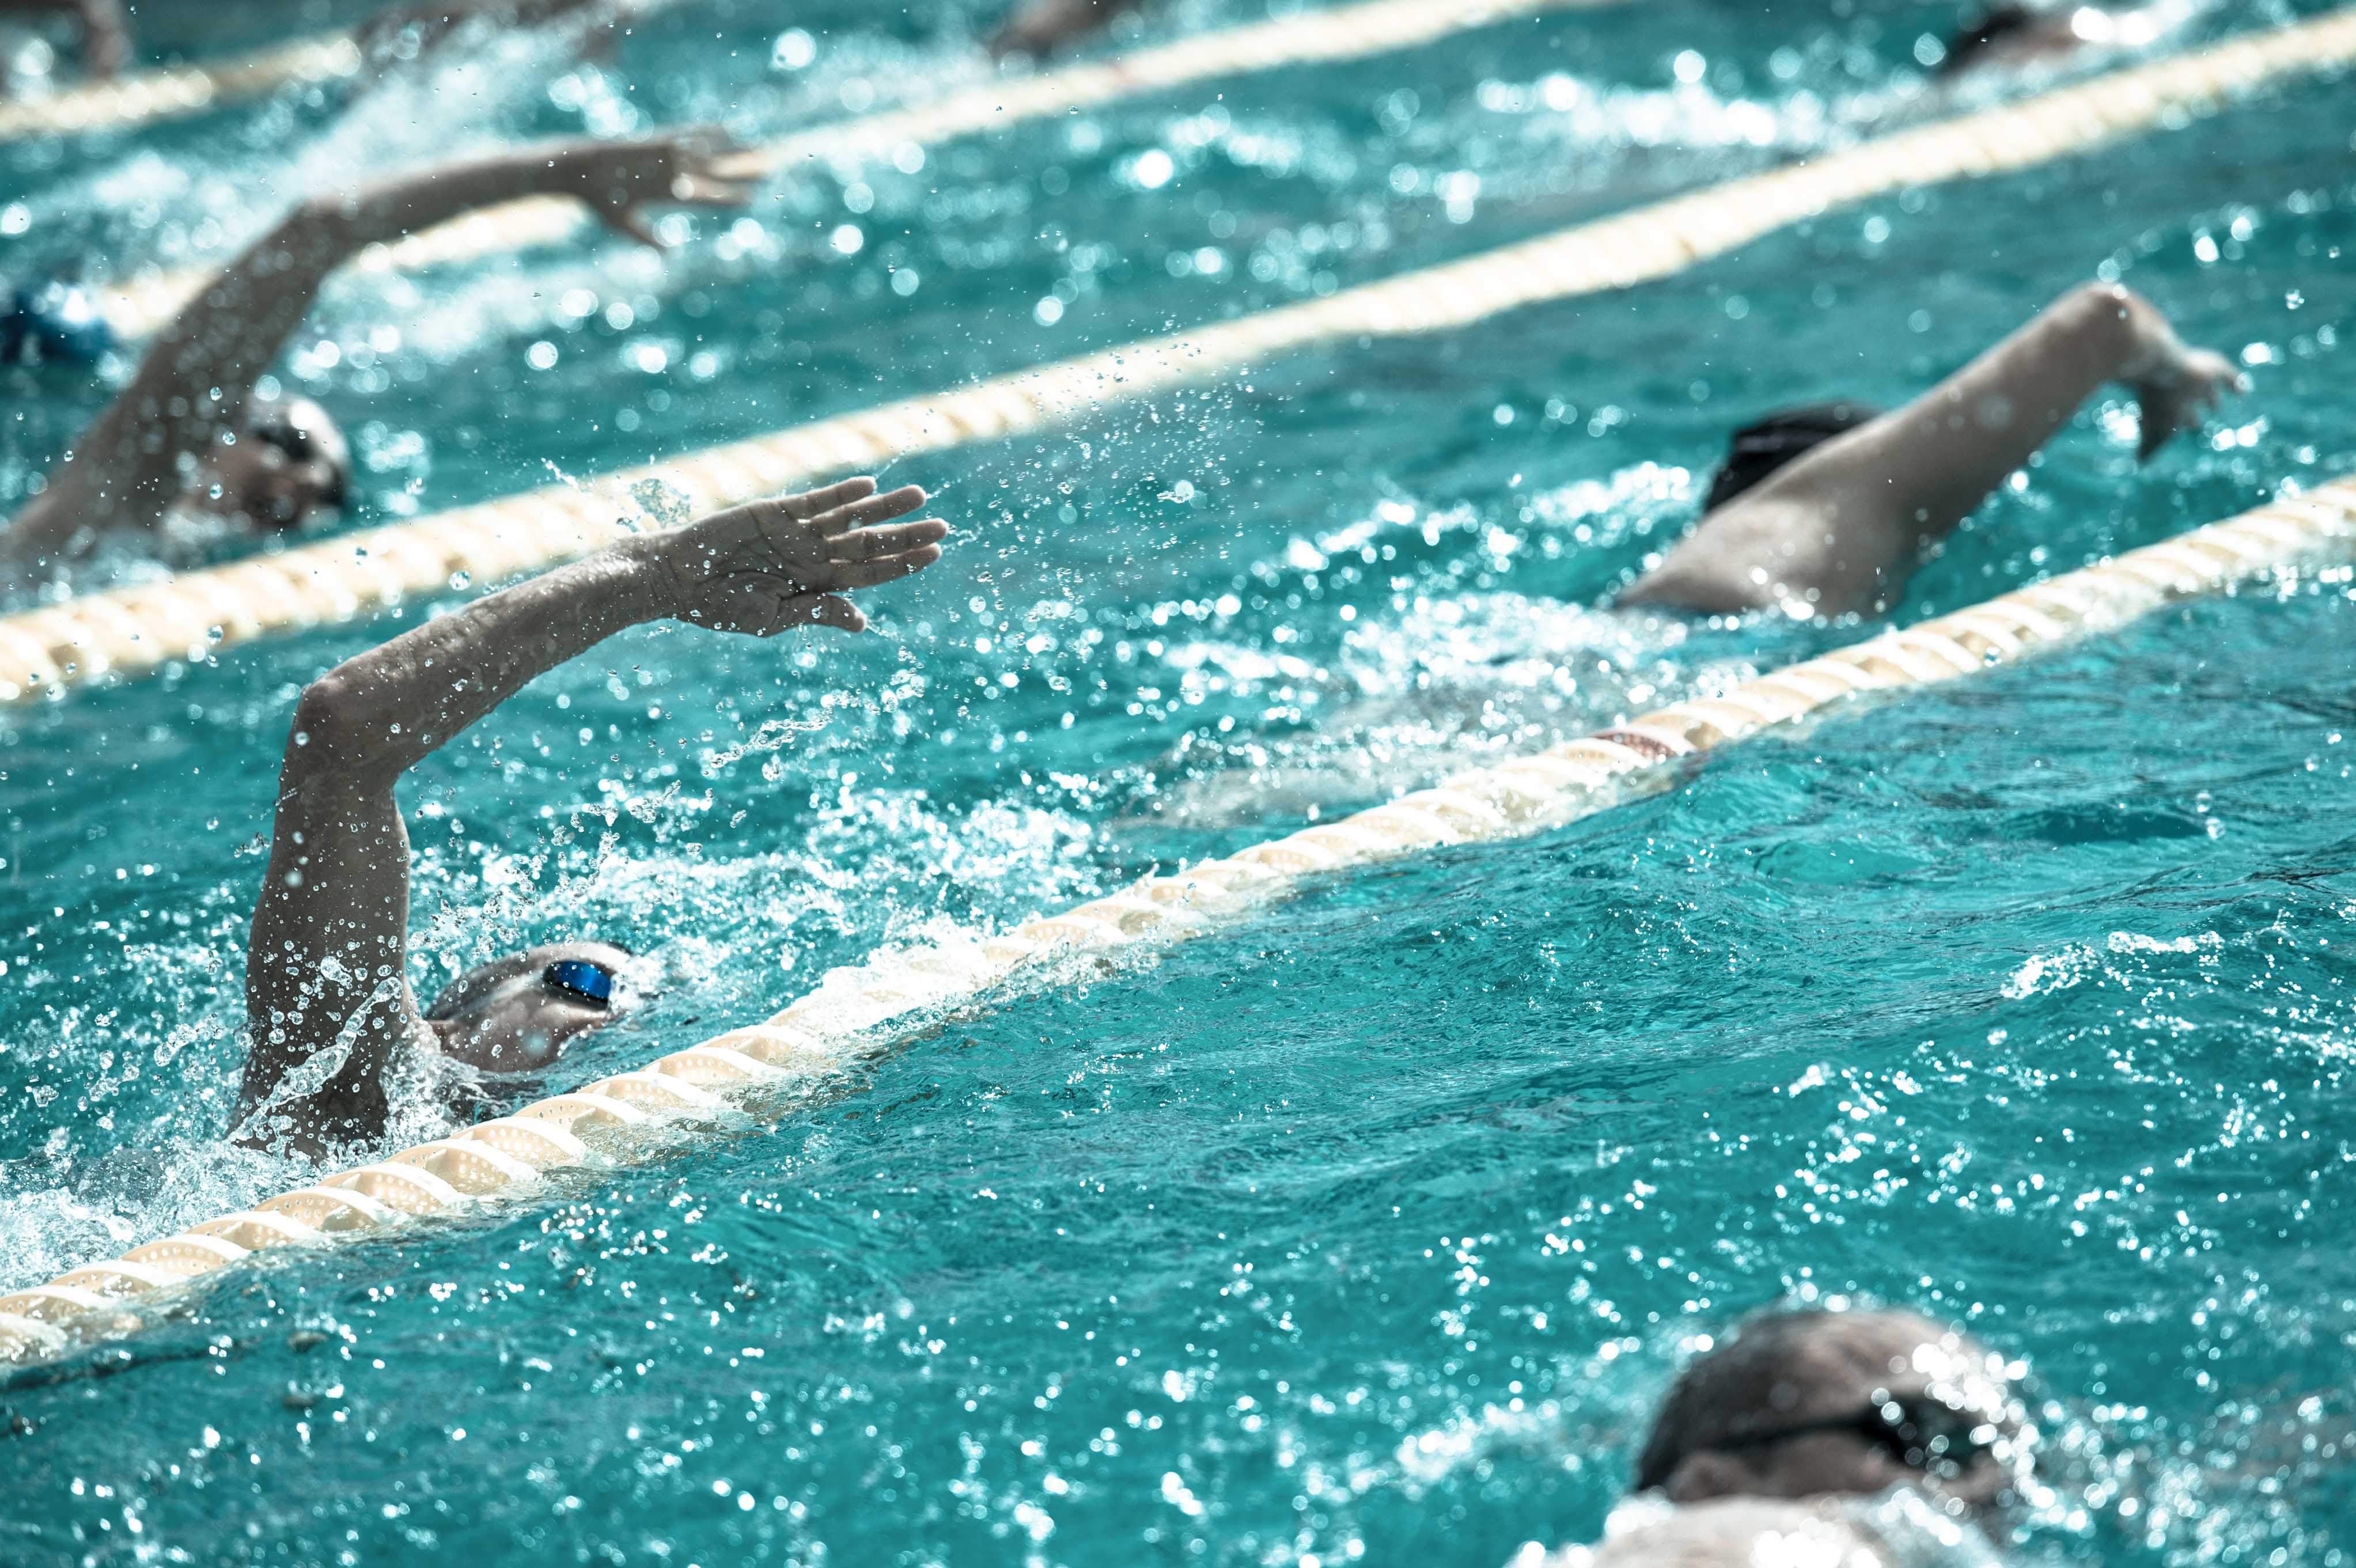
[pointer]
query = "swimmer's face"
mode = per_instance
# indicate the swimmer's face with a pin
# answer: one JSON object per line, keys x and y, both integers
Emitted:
{"x": 257, "y": 478}
{"x": 1865, "y": 1401}
{"x": 519, "y": 1014}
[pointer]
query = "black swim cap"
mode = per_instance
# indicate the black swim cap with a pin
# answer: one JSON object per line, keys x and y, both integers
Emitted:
{"x": 1991, "y": 29}
{"x": 1759, "y": 448}
{"x": 52, "y": 321}
{"x": 301, "y": 446}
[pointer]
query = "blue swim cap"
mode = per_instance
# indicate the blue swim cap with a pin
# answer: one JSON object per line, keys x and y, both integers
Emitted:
{"x": 53, "y": 321}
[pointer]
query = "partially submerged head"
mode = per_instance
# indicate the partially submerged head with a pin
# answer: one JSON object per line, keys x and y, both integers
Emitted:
{"x": 2010, "y": 35}
{"x": 518, "y": 1013}
{"x": 52, "y": 322}
{"x": 1758, "y": 449}
{"x": 1811, "y": 1403}
{"x": 284, "y": 459}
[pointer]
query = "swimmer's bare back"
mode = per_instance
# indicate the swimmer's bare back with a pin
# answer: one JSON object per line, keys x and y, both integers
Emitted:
{"x": 1839, "y": 529}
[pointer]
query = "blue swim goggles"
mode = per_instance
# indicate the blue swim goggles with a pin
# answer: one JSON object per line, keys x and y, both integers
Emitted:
{"x": 581, "y": 980}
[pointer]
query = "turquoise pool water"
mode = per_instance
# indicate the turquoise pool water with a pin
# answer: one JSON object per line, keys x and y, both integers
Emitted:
{"x": 1370, "y": 1231}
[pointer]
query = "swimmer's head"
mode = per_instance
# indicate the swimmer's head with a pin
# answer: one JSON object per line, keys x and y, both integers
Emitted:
{"x": 518, "y": 1015}
{"x": 1817, "y": 1404}
{"x": 285, "y": 460}
{"x": 1759, "y": 448}
{"x": 2010, "y": 35}
{"x": 52, "y": 322}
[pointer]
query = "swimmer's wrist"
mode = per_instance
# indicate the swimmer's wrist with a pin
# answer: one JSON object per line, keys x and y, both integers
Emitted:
{"x": 642, "y": 577}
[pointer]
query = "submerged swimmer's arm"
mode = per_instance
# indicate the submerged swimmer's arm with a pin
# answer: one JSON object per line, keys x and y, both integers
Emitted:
{"x": 1914, "y": 474}
{"x": 126, "y": 468}
{"x": 329, "y": 947}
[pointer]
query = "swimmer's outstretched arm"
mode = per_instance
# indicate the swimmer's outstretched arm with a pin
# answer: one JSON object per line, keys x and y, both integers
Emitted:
{"x": 327, "y": 963}
{"x": 105, "y": 30}
{"x": 1835, "y": 530}
{"x": 127, "y": 469}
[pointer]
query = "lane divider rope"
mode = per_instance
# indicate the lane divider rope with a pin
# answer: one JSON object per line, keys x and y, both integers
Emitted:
{"x": 140, "y": 304}
{"x": 698, "y": 1090}
{"x": 141, "y": 96}
{"x": 185, "y": 617}
{"x": 138, "y": 98}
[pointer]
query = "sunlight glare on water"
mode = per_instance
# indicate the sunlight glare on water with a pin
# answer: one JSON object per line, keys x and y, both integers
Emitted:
{"x": 1370, "y": 1230}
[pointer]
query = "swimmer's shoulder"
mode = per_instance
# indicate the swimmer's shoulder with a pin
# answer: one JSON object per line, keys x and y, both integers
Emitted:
{"x": 1736, "y": 559}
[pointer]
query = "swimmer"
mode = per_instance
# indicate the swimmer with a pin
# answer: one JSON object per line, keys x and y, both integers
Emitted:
{"x": 105, "y": 31}
{"x": 1814, "y": 1404}
{"x": 1042, "y": 27}
{"x": 328, "y": 998}
{"x": 2018, "y": 38}
{"x": 1822, "y": 512}
{"x": 189, "y": 433}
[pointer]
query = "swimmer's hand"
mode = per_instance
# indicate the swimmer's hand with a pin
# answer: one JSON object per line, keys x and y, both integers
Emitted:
{"x": 2180, "y": 385}
{"x": 767, "y": 565}
{"x": 2173, "y": 385}
{"x": 619, "y": 180}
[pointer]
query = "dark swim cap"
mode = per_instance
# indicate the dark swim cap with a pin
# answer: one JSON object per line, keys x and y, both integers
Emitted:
{"x": 53, "y": 321}
{"x": 302, "y": 443}
{"x": 1992, "y": 29}
{"x": 1759, "y": 449}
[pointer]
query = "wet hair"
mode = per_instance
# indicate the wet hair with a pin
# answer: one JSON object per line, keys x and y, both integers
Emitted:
{"x": 277, "y": 427}
{"x": 1994, "y": 27}
{"x": 1759, "y": 449}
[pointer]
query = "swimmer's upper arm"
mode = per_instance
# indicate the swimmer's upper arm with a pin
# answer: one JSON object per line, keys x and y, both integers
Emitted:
{"x": 327, "y": 963}
{"x": 1916, "y": 472}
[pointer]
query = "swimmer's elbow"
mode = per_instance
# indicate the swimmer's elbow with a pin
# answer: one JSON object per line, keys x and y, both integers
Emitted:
{"x": 2102, "y": 314}
{"x": 336, "y": 731}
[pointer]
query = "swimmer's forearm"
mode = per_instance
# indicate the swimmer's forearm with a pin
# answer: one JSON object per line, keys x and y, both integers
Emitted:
{"x": 391, "y": 209}
{"x": 375, "y": 715}
{"x": 204, "y": 365}
{"x": 1929, "y": 465}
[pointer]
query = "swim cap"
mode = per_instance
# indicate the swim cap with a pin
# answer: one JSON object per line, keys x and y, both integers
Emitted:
{"x": 1759, "y": 448}
{"x": 53, "y": 321}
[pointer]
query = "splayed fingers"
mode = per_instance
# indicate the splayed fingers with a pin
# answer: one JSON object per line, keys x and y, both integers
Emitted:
{"x": 761, "y": 567}
{"x": 621, "y": 180}
{"x": 862, "y": 511}
{"x": 810, "y": 504}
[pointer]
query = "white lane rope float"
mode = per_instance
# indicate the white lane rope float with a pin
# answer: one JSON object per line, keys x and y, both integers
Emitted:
{"x": 136, "y": 629}
{"x": 140, "y": 304}
{"x": 141, "y": 96}
{"x": 702, "y": 1089}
